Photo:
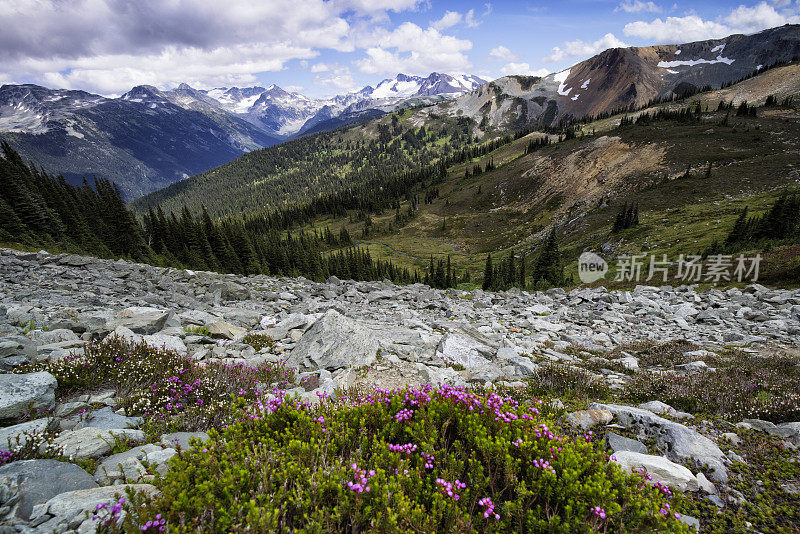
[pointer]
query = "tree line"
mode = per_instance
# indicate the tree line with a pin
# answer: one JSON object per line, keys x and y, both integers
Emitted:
{"x": 41, "y": 210}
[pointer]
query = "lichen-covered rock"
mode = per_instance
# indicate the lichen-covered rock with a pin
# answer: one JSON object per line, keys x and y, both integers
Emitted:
{"x": 23, "y": 392}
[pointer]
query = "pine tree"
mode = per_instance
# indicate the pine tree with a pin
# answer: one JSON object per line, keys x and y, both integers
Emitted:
{"x": 488, "y": 274}
{"x": 548, "y": 269}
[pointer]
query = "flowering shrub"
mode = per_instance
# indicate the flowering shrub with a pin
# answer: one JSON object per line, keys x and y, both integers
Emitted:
{"x": 171, "y": 391}
{"x": 742, "y": 386}
{"x": 279, "y": 469}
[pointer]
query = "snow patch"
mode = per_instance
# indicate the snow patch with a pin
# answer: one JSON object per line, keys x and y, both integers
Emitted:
{"x": 718, "y": 48}
{"x": 678, "y": 52}
{"x": 585, "y": 84}
{"x": 576, "y": 96}
{"x": 758, "y": 67}
{"x": 561, "y": 78}
{"x": 693, "y": 62}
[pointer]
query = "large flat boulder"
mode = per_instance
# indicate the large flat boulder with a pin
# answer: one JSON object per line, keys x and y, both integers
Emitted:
{"x": 661, "y": 469}
{"x": 36, "y": 481}
{"x": 680, "y": 441}
{"x": 462, "y": 350}
{"x": 142, "y": 320}
{"x": 24, "y": 392}
{"x": 334, "y": 342}
{"x": 20, "y": 434}
{"x": 92, "y": 442}
{"x": 68, "y": 511}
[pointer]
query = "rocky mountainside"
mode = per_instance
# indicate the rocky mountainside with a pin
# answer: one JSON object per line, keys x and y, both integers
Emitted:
{"x": 283, "y": 113}
{"x": 143, "y": 141}
{"x": 620, "y": 78}
{"x": 148, "y": 139}
{"x": 342, "y": 335}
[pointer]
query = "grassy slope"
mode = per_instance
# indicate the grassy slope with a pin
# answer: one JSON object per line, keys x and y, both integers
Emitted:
{"x": 753, "y": 160}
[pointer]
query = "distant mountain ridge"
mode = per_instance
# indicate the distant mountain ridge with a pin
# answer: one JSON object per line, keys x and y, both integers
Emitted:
{"x": 621, "y": 78}
{"x": 282, "y": 113}
{"x": 149, "y": 138}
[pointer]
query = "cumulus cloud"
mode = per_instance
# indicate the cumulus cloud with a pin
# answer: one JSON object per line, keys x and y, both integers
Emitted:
{"x": 638, "y": 6}
{"x": 692, "y": 27}
{"x": 524, "y": 69}
{"x": 501, "y": 53}
{"x": 339, "y": 77}
{"x": 450, "y": 19}
{"x": 109, "y": 45}
{"x": 583, "y": 49}
{"x": 473, "y": 21}
{"x": 412, "y": 50}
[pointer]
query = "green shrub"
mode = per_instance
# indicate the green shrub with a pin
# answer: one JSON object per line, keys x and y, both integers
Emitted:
{"x": 258, "y": 341}
{"x": 564, "y": 380}
{"x": 199, "y": 330}
{"x": 424, "y": 460}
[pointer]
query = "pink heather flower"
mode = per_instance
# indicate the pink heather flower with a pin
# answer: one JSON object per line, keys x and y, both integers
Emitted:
{"x": 599, "y": 512}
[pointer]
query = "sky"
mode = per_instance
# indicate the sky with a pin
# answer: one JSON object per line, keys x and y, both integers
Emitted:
{"x": 325, "y": 47}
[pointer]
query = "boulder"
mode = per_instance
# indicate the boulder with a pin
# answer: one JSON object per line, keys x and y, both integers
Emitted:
{"x": 619, "y": 443}
{"x": 662, "y": 470}
{"x": 37, "y": 481}
{"x": 161, "y": 341}
{"x": 334, "y": 342}
{"x": 680, "y": 441}
{"x": 142, "y": 320}
{"x": 106, "y": 419}
{"x": 586, "y": 419}
{"x": 24, "y": 392}
{"x": 92, "y": 442}
{"x": 73, "y": 510}
{"x": 462, "y": 350}
{"x": 20, "y": 434}
{"x": 221, "y": 329}
{"x": 230, "y": 290}
{"x": 662, "y": 408}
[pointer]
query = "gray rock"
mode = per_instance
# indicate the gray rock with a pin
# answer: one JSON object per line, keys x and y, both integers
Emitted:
{"x": 106, "y": 419}
{"x": 462, "y": 350}
{"x": 25, "y": 392}
{"x": 586, "y": 419}
{"x": 334, "y": 342}
{"x": 161, "y": 341}
{"x": 230, "y": 290}
{"x": 139, "y": 320}
{"x": 20, "y": 434}
{"x": 662, "y": 408}
{"x": 92, "y": 442}
{"x": 69, "y": 510}
{"x": 680, "y": 441}
{"x": 662, "y": 470}
{"x": 40, "y": 480}
{"x": 619, "y": 443}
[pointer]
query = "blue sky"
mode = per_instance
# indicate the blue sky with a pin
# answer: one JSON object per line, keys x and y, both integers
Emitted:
{"x": 323, "y": 47}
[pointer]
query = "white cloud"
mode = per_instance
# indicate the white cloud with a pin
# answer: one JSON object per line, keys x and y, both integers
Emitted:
{"x": 109, "y": 45}
{"x": 743, "y": 19}
{"x": 320, "y": 67}
{"x": 523, "y": 68}
{"x": 472, "y": 21}
{"x": 638, "y": 6}
{"x": 412, "y": 50}
{"x": 340, "y": 78}
{"x": 501, "y": 53}
{"x": 583, "y": 49}
{"x": 450, "y": 19}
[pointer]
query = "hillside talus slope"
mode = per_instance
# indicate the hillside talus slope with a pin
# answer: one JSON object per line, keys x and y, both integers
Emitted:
{"x": 168, "y": 358}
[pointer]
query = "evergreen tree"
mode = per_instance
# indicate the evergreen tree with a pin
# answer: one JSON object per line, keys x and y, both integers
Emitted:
{"x": 488, "y": 274}
{"x": 547, "y": 269}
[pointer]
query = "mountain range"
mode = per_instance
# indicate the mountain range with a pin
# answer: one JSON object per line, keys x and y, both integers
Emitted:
{"x": 148, "y": 138}
{"x": 623, "y": 78}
